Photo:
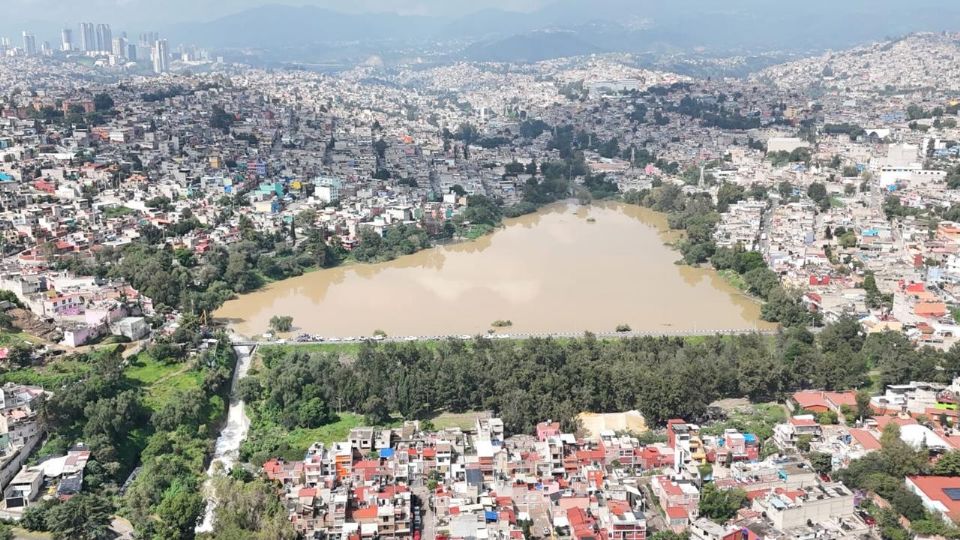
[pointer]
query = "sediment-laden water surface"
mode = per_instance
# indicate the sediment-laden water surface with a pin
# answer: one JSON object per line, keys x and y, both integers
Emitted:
{"x": 564, "y": 269}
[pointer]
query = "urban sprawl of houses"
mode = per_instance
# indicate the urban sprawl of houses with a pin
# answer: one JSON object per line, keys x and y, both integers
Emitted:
{"x": 615, "y": 484}
{"x": 103, "y": 147}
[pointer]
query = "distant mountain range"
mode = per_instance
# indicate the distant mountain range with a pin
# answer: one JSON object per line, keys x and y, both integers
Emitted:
{"x": 532, "y": 46}
{"x": 571, "y": 27}
{"x": 283, "y": 26}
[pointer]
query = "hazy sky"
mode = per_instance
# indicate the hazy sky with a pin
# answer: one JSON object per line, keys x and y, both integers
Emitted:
{"x": 125, "y": 11}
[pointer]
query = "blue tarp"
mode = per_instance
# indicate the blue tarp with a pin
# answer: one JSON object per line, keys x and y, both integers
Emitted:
{"x": 749, "y": 437}
{"x": 386, "y": 453}
{"x": 489, "y": 516}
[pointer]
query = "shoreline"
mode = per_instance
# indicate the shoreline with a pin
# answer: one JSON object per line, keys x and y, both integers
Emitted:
{"x": 351, "y": 262}
{"x": 433, "y": 257}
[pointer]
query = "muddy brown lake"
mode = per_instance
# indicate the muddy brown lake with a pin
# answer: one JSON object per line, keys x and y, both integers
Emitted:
{"x": 567, "y": 268}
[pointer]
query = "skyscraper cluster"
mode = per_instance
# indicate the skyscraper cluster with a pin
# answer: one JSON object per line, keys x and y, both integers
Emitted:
{"x": 29, "y": 44}
{"x": 96, "y": 39}
{"x": 104, "y": 38}
{"x": 93, "y": 37}
{"x": 120, "y": 47}
{"x": 88, "y": 40}
{"x": 161, "y": 56}
{"x": 149, "y": 39}
{"x": 66, "y": 40}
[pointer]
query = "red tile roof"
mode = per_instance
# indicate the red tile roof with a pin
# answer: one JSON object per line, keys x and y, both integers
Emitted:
{"x": 933, "y": 487}
{"x": 677, "y": 512}
{"x": 671, "y": 488}
{"x": 865, "y": 438}
{"x": 590, "y": 455}
{"x": 930, "y": 309}
{"x": 842, "y": 398}
{"x": 365, "y": 513}
{"x": 807, "y": 399}
{"x": 882, "y": 421}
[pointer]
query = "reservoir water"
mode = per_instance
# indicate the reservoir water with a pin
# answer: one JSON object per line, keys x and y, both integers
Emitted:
{"x": 567, "y": 268}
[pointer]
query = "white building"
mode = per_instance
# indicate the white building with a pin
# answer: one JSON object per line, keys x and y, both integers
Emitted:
{"x": 815, "y": 504}
{"x": 785, "y": 144}
{"x": 161, "y": 57}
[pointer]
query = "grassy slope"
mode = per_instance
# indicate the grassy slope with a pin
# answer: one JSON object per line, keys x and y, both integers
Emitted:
{"x": 301, "y": 438}
{"x": 162, "y": 381}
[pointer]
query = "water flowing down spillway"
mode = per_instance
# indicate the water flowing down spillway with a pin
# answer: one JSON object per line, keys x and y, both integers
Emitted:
{"x": 227, "y": 450}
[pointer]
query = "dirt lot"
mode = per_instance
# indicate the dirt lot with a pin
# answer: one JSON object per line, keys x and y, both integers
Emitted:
{"x": 594, "y": 423}
{"x": 32, "y": 325}
{"x": 465, "y": 421}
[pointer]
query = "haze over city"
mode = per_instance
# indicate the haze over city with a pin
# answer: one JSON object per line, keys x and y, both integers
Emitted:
{"x": 200, "y": 10}
{"x": 504, "y": 269}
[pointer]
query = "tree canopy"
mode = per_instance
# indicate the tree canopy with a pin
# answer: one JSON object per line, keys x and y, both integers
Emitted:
{"x": 721, "y": 505}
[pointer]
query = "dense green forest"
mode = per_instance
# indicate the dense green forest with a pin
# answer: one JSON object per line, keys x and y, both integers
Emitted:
{"x": 528, "y": 381}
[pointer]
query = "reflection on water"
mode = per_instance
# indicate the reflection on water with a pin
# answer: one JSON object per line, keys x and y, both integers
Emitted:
{"x": 553, "y": 271}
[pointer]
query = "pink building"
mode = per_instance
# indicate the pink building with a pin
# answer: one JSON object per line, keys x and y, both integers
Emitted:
{"x": 545, "y": 430}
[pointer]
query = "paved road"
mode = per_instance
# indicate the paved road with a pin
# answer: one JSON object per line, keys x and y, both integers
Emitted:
{"x": 766, "y": 228}
{"x": 428, "y": 518}
{"x": 361, "y": 339}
